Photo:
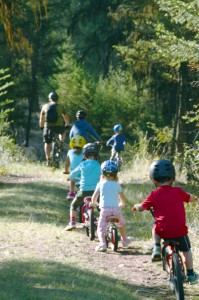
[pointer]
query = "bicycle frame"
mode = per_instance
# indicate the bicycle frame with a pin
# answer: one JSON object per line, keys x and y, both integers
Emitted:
{"x": 56, "y": 151}
{"x": 112, "y": 232}
{"x": 88, "y": 219}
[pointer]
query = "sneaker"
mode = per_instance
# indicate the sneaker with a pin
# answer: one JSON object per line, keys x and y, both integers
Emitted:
{"x": 101, "y": 248}
{"x": 156, "y": 254}
{"x": 70, "y": 226}
{"x": 125, "y": 244}
{"x": 192, "y": 279}
{"x": 70, "y": 195}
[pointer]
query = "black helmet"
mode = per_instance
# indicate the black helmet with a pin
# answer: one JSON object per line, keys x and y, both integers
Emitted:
{"x": 53, "y": 96}
{"x": 90, "y": 149}
{"x": 162, "y": 169}
{"x": 80, "y": 114}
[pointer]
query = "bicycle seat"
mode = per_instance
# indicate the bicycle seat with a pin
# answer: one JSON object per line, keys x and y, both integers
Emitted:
{"x": 170, "y": 242}
{"x": 87, "y": 199}
{"x": 115, "y": 219}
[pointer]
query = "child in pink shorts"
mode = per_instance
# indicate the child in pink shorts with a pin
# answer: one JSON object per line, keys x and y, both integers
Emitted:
{"x": 110, "y": 192}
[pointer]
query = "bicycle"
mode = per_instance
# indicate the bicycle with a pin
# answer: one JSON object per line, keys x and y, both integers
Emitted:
{"x": 55, "y": 151}
{"x": 88, "y": 218}
{"x": 173, "y": 264}
{"x": 112, "y": 236}
{"x": 118, "y": 160}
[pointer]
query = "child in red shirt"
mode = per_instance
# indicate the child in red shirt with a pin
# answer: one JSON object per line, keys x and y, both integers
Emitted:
{"x": 167, "y": 203}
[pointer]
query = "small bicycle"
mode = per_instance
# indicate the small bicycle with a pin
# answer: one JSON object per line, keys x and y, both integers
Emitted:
{"x": 118, "y": 160}
{"x": 112, "y": 237}
{"x": 173, "y": 264}
{"x": 88, "y": 218}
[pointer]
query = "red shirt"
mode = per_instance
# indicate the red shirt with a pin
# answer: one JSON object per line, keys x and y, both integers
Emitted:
{"x": 169, "y": 211}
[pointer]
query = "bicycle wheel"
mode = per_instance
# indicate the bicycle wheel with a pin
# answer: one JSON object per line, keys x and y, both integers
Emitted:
{"x": 79, "y": 212}
{"x": 114, "y": 239}
{"x": 177, "y": 278}
{"x": 55, "y": 155}
{"x": 91, "y": 225}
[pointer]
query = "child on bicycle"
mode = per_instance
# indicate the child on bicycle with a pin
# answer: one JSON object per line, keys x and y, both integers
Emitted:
{"x": 110, "y": 192}
{"x": 89, "y": 172}
{"x": 73, "y": 159}
{"x": 167, "y": 204}
{"x": 117, "y": 141}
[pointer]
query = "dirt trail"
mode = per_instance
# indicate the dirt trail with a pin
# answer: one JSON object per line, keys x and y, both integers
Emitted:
{"x": 132, "y": 267}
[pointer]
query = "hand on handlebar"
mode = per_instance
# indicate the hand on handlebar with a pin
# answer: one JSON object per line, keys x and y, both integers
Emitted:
{"x": 134, "y": 209}
{"x": 121, "y": 204}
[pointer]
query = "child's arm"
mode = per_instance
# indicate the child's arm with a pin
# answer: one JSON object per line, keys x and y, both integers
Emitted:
{"x": 122, "y": 199}
{"x": 193, "y": 198}
{"x": 94, "y": 198}
{"x": 75, "y": 173}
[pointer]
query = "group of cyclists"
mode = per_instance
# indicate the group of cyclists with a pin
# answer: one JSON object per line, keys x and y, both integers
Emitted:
{"x": 100, "y": 180}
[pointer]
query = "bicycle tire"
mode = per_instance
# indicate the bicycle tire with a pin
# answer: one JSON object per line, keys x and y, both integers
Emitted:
{"x": 91, "y": 225}
{"x": 177, "y": 277}
{"x": 79, "y": 211}
{"x": 87, "y": 231}
{"x": 114, "y": 239}
{"x": 55, "y": 155}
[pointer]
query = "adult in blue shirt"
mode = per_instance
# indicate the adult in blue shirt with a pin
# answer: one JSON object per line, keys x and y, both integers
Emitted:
{"x": 82, "y": 127}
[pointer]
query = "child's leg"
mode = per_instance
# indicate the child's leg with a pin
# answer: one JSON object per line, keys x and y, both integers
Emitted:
{"x": 67, "y": 165}
{"x": 156, "y": 253}
{"x": 123, "y": 233}
{"x": 188, "y": 259}
{"x": 113, "y": 153}
{"x": 156, "y": 238}
{"x": 102, "y": 225}
{"x": 72, "y": 185}
{"x": 192, "y": 277}
{"x": 122, "y": 157}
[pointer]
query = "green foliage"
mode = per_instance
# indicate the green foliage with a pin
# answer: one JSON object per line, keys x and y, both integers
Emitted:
{"x": 6, "y": 138}
{"x": 161, "y": 139}
{"x": 191, "y": 153}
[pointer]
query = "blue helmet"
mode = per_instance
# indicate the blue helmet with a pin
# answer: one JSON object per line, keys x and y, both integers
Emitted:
{"x": 117, "y": 128}
{"x": 109, "y": 167}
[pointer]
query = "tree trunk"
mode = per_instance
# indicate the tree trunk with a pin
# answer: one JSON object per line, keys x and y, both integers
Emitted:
{"x": 182, "y": 131}
{"x": 33, "y": 100}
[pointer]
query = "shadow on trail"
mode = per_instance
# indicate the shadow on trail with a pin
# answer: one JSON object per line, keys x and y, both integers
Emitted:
{"x": 41, "y": 202}
{"x": 49, "y": 280}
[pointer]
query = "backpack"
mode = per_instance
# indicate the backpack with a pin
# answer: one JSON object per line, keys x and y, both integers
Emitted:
{"x": 51, "y": 113}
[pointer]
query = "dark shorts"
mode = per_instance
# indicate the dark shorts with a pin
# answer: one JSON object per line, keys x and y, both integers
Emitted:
{"x": 48, "y": 133}
{"x": 78, "y": 200}
{"x": 184, "y": 245}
